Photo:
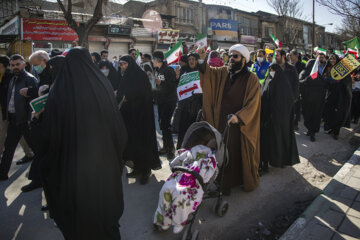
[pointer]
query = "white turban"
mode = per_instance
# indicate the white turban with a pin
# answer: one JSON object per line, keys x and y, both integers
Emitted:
{"x": 241, "y": 49}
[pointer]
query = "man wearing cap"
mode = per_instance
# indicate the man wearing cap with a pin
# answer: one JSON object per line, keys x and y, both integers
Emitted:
{"x": 235, "y": 91}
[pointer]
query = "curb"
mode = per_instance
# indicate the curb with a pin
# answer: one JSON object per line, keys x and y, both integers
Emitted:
{"x": 321, "y": 204}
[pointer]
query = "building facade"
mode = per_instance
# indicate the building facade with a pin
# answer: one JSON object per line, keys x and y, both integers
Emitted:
{"x": 155, "y": 26}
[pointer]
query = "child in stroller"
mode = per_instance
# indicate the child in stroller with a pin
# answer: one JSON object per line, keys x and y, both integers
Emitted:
{"x": 194, "y": 168}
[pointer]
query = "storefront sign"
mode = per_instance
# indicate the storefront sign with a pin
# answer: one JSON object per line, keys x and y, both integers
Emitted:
{"x": 11, "y": 27}
{"x": 47, "y": 30}
{"x": 119, "y": 30}
{"x": 168, "y": 36}
{"x": 248, "y": 39}
{"x": 224, "y": 30}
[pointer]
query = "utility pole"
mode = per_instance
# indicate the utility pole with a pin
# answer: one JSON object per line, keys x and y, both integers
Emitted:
{"x": 313, "y": 28}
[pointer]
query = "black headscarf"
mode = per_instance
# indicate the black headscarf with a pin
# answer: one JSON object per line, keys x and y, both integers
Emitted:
{"x": 278, "y": 92}
{"x": 113, "y": 75}
{"x": 83, "y": 164}
{"x": 55, "y": 64}
{"x": 97, "y": 57}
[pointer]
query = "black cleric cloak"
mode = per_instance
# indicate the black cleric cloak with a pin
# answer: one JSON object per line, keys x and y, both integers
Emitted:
{"x": 277, "y": 141}
{"x": 83, "y": 165}
{"x": 138, "y": 114}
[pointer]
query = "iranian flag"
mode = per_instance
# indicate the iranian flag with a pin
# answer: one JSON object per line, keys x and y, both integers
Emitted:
{"x": 319, "y": 50}
{"x": 174, "y": 54}
{"x": 138, "y": 57}
{"x": 339, "y": 53}
{"x": 201, "y": 40}
{"x": 276, "y": 41}
{"x": 354, "y": 52}
{"x": 315, "y": 70}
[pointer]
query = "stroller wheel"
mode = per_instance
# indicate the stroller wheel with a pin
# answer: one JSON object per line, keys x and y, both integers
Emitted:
{"x": 195, "y": 235}
{"x": 221, "y": 207}
{"x": 187, "y": 235}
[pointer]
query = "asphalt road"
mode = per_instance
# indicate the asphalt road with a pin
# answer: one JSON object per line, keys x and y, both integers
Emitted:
{"x": 21, "y": 218}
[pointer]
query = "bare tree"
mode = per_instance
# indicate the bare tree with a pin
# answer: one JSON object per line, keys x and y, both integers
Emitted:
{"x": 289, "y": 11}
{"x": 82, "y": 29}
{"x": 345, "y": 8}
{"x": 350, "y": 10}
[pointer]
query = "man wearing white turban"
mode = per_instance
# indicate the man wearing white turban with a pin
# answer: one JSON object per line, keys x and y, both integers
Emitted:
{"x": 234, "y": 90}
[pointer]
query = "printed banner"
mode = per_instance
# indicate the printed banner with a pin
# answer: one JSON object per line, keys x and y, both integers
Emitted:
{"x": 47, "y": 30}
{"x": 344, "y": 67}
{"x": 168, "y": 36}
{"x": 189, "y": 84}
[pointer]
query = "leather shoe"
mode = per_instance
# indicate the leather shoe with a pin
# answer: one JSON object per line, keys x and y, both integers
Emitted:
{"x": 31, "y": 186}
{"x": 133, "y": 174}
{"x": 45, "y": 208}
{"x": 312, "y": 138}
{"x": 162, "y": 151}
{"x": 170, "y": 155}
{"x": 24, "y": 160}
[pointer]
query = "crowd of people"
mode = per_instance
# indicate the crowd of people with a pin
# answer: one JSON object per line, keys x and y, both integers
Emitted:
{"x": 99, "y": 116}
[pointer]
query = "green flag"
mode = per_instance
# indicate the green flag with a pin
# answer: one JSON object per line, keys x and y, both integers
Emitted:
{"x": 352, "y": 43}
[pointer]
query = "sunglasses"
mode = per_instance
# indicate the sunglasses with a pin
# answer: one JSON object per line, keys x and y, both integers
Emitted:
{"x": 234, "y": 56}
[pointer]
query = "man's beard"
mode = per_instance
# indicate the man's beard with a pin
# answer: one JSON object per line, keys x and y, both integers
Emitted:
{"x": 235, "y": 66}
{"x": 16, "y": 72}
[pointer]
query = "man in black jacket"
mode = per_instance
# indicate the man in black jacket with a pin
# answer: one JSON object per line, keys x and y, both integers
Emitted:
{"x": 165, "y": 79}
{"x": 290, "y": 71}
{"x": 299, "y": 65}
{"x": 22, "y": 89}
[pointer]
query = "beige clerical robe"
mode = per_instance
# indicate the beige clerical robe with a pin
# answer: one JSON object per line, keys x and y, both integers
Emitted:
{"x": 244, "y": 96}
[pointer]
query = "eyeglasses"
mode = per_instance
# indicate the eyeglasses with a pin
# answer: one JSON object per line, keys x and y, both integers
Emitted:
{"x": 234, "y": 56}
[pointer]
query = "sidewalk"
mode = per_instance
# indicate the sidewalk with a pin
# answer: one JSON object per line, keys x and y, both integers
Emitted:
{"x": 335, "y": 214}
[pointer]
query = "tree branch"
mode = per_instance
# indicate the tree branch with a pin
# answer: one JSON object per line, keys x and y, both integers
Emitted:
{"x": 68, "y": 15}
{"x": 96, "y": 16}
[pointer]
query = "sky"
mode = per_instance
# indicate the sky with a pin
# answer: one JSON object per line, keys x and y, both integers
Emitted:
{"x": 322, "y": 15}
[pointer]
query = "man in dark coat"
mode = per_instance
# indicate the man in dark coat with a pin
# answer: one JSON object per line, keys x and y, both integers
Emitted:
{"x": 84, "y": 136}
{"x": 165, "y": 79}
{"x": 289, "y": 70}
{"x": 22, "y": 89}
{"x": 277, "y": 135}
{"x": 138, "y": 114}
{"x": 313, "y": 93}
{"x": 299, "y": 65}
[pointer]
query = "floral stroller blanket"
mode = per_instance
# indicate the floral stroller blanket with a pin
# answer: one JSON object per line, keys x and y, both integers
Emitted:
{"x": 182, "y": 193}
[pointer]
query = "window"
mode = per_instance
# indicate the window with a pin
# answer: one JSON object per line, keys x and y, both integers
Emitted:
{"x": 268, "y": 31}
{"x": 247, "y": 26}
{"x": 184, "y": 15}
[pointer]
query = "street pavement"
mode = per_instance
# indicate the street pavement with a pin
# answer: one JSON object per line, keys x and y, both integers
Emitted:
{"x": 334, "y": 214}
{"x": 21, "y": 218}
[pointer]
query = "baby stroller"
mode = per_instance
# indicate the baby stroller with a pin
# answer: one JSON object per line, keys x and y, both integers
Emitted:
{"x": 200, "y": 133}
